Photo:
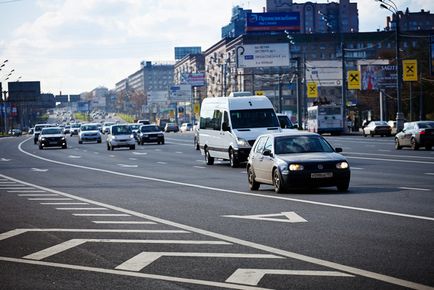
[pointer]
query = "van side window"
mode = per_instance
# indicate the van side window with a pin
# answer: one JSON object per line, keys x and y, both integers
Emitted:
{"x": 226, "y": 118}
{"x": 211, "y": 119}
{"x": 217, "y": 120}
{"x": 260, "y": 145}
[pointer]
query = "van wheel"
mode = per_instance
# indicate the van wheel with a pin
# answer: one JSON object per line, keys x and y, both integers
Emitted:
{"x": 232, "y": 159}
{"x": 208, "y": 159}
{"x": 253, "y": 185}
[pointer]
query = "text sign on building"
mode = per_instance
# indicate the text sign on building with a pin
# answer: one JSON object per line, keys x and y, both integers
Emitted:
{"x": 409, "y": 70}
{"x": 277, "y": 21}
{"x": 194, "y": 79}
{"x": 181, "y": 93}
{"x": 312, "y": 90}
{"x": 354, "y": 81}
{"x": 327, "y": 73}
{"x": 263, "y": 55}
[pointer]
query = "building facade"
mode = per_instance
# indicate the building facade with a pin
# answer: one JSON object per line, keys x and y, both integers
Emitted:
{"x": 411, "y": 21}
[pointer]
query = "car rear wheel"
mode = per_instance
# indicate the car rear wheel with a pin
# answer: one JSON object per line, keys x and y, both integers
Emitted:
{"x": 397, "y": 146}
{"x": 80, "y": 142}
{"x": 133, "y": 147}
{"x": 253, "y": 185}
{"x": 277, "y": 181}
{"x": 64, "y": 146}
{"x": 414, "y": 144}
{"x": 208, "y": 159}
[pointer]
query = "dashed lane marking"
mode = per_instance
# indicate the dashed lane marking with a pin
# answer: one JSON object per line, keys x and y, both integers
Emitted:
{"x": 63, "y": 203}
{"x": 38, "y": 194}
{"x": 100, "y": 214}
{"x": 125, "y": 222}
{"x": 415, "y": 188}
{"x": 81, "y": 208}
{"x": 23, "y": 191}
{"x": 50, "y": 198}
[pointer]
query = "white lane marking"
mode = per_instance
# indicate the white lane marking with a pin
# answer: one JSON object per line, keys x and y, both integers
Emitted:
{"x": 199, "y": 160}
{"x": 56, "y": 249}
{"x": 132, "y": 274}
{"x": 253, "y": 276}
{"x": 272, "y": 250}
{"x": 200, "y": 167}
{"x": 74, "y": 156}
{"x": 389, "y": 155}
{"x": 8, "y": 182}
{"x": 429, "y": 173}
{"x": 112, "y": 156}
{"x": 256, "y": 195}
{"x": 390, "y": 160}
{"x": 243, "y": 172}
{"x": 23, "y": 191}
{"x": 415, "y": 188}
{"x": 125, "y": 222}
{"x": 133, "y": 159}
{"x": 161, "y": 162}
{"x": 128, "y": 165}
{"x": 157, "y": 149}
{"x": 39, "y": 170}
{"x": 384, "y": 150}
{"x": 144, "y": 259}
{"x": 5, "y": 159}
{"x": 288, "y": 217}
{"x": 100, "y": 214}
{"x": 49, "y": 198}
{"x": 38, "y": 194}
{"x": 18, "y": 188}
{"x": 16, "y": 232}
{"x": 178, "y": 152}
{"x": 81, "y": 208}
{"x": 64, "y": 203}
{"x": 356, "y": 168}
{"x": 140, "y": 153}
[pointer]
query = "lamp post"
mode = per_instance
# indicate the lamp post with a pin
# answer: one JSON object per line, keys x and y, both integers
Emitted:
{"x": 391, "y": 6}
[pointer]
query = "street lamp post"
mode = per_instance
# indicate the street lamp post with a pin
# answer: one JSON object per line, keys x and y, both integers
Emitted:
{"x": 391, "y": 6}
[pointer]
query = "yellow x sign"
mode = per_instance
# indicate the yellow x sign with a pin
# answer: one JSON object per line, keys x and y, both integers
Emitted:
{"x": 312, "y": 90}
{"x": 409, "y": 70}
{"x": 353, "y": 78}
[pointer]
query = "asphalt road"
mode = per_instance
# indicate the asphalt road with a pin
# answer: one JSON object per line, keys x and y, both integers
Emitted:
{"x": 158, "y": 218}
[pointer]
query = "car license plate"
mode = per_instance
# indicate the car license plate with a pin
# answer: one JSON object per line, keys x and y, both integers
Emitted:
{"x": 52, "y": 142}
{"x": 321, "y": 175}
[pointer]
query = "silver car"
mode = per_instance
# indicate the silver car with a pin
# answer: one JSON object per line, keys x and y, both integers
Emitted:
{"x": 120, "y": 136}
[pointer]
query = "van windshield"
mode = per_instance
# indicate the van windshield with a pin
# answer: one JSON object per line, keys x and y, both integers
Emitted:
{"x": 258, "y": 118}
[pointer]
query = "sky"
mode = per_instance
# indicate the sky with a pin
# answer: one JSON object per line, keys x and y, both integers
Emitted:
{"x": 74, "y": 46}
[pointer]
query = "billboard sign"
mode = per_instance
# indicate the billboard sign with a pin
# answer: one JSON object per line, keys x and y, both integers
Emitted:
{"x": 276, "y": 21}
{"x": 83, "y": 106}
{"x": 194, "y": 79}
{"x": 376, "y": 77}
{"x": 24, "y": 91}
{"x": 263, "y": 55}
{"x": 181, "y": 93}
{"x": 327, "y": 73}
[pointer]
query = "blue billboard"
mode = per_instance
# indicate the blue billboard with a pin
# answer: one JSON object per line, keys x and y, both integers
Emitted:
{"x": 277, "y": 21}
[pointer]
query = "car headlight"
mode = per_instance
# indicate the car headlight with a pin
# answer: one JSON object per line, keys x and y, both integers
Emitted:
{"x": 42, "y": 139}
{"x": 342, "y": 165}
{"x": 132, "y": 136}
{"x": 63, "y": 138}
{"x": 242, "y": 142}
{"x": 145, "y": 135}
{"x": 296, "y": 167}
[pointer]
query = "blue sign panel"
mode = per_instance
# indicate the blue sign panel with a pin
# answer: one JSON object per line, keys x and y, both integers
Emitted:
{"x": 289, "y": 21}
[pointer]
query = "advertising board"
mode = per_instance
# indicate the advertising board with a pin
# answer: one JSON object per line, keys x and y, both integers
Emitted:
{"x": 327, "y": 73}
{"x": 276, "y": 21}
{"x": 376, "y": 77}
{"x": 24, "y": 91}
{"x": 263, "y": 55}
{"x": 194, "y": 79}
{"x": 181, "y": 93}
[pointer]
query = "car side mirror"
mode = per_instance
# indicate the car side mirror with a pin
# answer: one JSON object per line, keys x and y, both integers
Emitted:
{"x": 226, "y": 127}
{"x": 267, "y": 152}
{"x": 338, "y": 150}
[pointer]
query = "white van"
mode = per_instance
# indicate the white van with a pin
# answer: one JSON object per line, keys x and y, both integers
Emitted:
{"x": 230, "y": 125}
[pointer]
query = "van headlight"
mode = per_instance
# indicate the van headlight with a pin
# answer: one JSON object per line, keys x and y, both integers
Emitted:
{"x": 242, "y": 142}
{"x": 342, "y": 165}
{"x": 296, "y": 167}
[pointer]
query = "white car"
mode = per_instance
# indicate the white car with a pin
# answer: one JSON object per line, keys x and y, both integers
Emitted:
{"x": 120, "y": 136}
{"x": 186, "y": 127}
{"x": 89, "y": 132}
{"x": 106, "y": 126}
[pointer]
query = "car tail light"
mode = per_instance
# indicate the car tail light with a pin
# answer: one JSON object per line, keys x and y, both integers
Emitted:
{"x": 422, "y": 132}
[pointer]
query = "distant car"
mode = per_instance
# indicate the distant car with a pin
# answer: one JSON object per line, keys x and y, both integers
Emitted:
{"x": 415, "y": 135}
{"x": 15, "y": 132}
{"x": 171, "y": 127}
{"x": 392, "y": 125}
{"x": 120, "y": 136}
{"x": 75, "y": 127}
{"x": 37, "y": 131}
{"x": 285, "y": 122}
{"x": 377, "y": 128}
{"x": 89, "y": 133}
{"x": 52, "y": 137}
{"x": 186, "y": 127}
{"x": 135, "y": 128}
{"x": 149, "y": 134}
{"x": 295, "y": 159}
{"x": 106, "y": 127}
{"x": 66, "y": 129}
{"x": 144, "y": 122}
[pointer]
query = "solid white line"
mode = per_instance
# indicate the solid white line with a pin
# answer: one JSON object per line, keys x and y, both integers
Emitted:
{"x": 22, "y": 191}
{"x": 132, "y": 274}
{"x": 276, "y": 251}
{"x": 429, "y": 173}
{"x": 144, "y": 259}
{"x": 100, "y": 214}
{"x": 415, "y": 188}
{"x": 9, "y": 182}
{"x": 125, "y": 222}
{"x": 356, "y": 168}
{"x": 81, "y": 208}
{"x": 38, "y": 194}
{"x": 200, "y": 167}
{"x": 48, "y": 198}
{"x": 17, "y": 188}
{"x": 390, "y": 160}
{"x": 218, "y": 189}
{"x": 64, "y": 203}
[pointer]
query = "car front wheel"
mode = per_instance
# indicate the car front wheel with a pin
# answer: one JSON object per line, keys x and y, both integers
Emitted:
{"x": 208, "y": 159}
{"x": 253, "y": 185}
{"x": 233, "y": 159}
{"x": 277, "y": 181}
{"x": 397, "y": 146}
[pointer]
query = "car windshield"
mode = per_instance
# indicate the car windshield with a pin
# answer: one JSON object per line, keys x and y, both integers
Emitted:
{"x": 135, "y": 127}
{"x": 51, "y": 131}
{"x": 381, "y": 123}
{"x": 75, "y": 126}
{"x": 121, "y": 130}
{"x": 259, "y": 118}
{"x": 429, "y": 125}
{"x": 89, "y": 128}
{"x": 301, "y": 144}
{"x": 150, "y": 129}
